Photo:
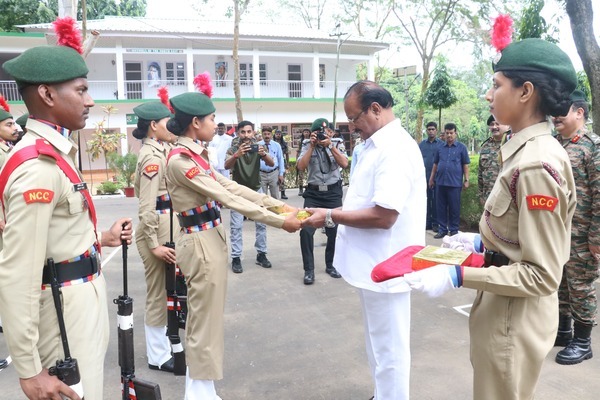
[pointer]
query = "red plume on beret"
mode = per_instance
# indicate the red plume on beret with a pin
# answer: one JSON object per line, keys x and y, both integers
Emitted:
{"x": 203, "y": 83}
{"x": 68, "y": 34}
{"x": 163, "y": 95}
{"x": 502, "y": 31}
{"x": 4, "y": 104}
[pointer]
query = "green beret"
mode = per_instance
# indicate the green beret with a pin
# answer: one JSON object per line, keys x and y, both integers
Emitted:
{"x": 537, "y": 55}
{"x": 193, "y": 103}
{"x": 152, "y": 111}
{"x": 22, "y": 120}
{"x": 318, "y": 124}
{"x": 46, "y": 64}
{"x": 4, "y": 114}
{"x": 490, "y": 120}
{"x": 578, "y": 95}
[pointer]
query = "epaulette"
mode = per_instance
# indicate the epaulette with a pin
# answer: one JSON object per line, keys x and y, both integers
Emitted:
{"x": 304, "y": 141}
{"x": 593, "y": 137}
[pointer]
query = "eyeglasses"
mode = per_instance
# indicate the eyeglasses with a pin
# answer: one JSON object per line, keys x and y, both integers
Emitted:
{"x": 353, "y": 120}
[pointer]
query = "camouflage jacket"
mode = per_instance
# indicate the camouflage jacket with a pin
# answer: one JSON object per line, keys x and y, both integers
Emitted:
{"x": 584, "y": 152}
{"x": 489, "y": 167}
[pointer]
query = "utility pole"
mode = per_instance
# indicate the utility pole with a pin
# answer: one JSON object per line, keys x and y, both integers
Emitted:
{"x": 397, "y": 72}
{"x": 339, "y": 34}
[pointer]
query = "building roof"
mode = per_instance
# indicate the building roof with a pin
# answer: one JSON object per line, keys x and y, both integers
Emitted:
{"x": 190, "y": 28}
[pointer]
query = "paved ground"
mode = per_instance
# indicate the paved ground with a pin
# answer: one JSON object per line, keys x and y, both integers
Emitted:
{"x": 288, "y": 341}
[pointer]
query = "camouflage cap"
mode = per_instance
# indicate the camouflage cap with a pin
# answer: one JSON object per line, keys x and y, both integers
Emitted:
{"x": 152, "y": 111}
{"x": 46, "y": 64}
{"x": 193, "y": 103}
{"x": 318, "y": 124}
{"x": 537, "y": 55}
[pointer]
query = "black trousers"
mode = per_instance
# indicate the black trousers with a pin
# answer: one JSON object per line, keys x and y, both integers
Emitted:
{"x": 315, "y": 199}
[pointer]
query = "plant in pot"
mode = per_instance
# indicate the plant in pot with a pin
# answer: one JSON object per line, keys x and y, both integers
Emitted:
{"x": 124, "y": 167}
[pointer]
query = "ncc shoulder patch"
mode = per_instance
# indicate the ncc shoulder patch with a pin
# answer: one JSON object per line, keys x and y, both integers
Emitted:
{"x": 151, "y": 170}
{"x": 541, "y": 202}
{"x": 192, "y": 172}
{"x": 38, "y": 196}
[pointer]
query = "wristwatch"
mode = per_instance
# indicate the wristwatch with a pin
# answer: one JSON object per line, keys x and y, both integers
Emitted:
{"x": 328, "y": 220}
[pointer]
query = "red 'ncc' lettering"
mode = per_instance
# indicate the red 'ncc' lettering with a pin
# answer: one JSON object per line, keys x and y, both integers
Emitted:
{"x": 540, "y": 202}
{"x": 38, "y": 196}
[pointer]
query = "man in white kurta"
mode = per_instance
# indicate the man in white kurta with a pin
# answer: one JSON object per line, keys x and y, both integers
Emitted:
{"x": 383, "y": 212}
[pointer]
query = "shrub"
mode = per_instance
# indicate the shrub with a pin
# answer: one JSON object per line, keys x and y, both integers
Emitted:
{"x": 470, "y": 208}
{"x": 108, "y": 187}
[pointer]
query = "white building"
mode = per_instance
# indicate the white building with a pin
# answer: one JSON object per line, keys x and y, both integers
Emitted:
{"x": 134, "y": 56}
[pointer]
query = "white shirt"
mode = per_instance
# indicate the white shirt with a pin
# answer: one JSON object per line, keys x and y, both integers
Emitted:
{"x": 221, "y": 143}
{"x": 389, "y": 173}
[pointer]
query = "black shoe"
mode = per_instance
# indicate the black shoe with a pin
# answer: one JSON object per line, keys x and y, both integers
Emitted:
{"x": 300, "y": 191}
{"x": 564, "y": 335}
{"x": 283, "y": 196}
{"x": 3, "y": 364}
{"x": 452, "y": 233}
{"x": 168, "y": 366}
{"x": 236, "y": 265}
{"x": 309, "y": 277}
{"x": 439, "y": 235}
{"x": 261, "y": 259}
{"x": 577, "y": 351}
{"x": 332, "y": 272}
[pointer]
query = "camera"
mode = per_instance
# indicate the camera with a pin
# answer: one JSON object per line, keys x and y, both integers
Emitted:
{"x": 321, "y": 135}
{"x": 253, "y": 148}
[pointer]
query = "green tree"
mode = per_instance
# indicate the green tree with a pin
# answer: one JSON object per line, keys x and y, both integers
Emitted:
{"x": 22, "y": 12}
{"x": 533, "y": 25}
{"x": 132, "y": 8}
{"x": 439, "y": 94}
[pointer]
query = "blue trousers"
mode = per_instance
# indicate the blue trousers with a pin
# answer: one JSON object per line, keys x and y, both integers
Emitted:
{"x": 237, "y": 244}
{"x": 431, "y": 221}
{"x": 448, "y": 208}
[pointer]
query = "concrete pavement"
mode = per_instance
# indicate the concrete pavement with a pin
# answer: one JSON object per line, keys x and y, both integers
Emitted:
{"x": 288, "y": 341}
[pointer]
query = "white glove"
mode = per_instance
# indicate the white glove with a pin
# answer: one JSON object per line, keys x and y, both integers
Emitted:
{"x": 466, "y": 241}
{"x": 433, "y": 281}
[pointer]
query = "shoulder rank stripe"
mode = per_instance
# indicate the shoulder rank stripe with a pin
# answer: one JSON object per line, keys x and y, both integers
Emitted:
{"x": 541, "y": 202}
{"x": 38, "y": 196}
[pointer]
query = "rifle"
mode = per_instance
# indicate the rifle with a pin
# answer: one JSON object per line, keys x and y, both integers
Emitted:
{"x": 66, "y": 370}
{"x": 174, "y": 310}
{"x": 133, "y": 388}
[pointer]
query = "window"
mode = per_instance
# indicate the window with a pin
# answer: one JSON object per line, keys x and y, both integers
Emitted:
{"x": 246, "y": 74}
{"x": 175, "y": 73}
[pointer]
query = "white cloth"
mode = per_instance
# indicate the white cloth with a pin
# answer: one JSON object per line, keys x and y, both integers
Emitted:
{"x": 220, "y": 143}
{"x": 387, "y": 326}
{"x": 158, "y": 347}
{"x": 461, "y": 241}
{"x": 197, "y": 389}
{"x": 389, "y": 173}
{"x": 433, "y": 281}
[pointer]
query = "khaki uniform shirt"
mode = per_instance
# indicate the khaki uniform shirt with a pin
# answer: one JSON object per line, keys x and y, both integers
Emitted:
{"x": 322, "y": 167}
{"x": 527, "y": 217}
{"x": 149, "y": 183}
{"x": 55, "y": 225}
{"x": 190, "y": 188}
{"x": 4, "y": 150}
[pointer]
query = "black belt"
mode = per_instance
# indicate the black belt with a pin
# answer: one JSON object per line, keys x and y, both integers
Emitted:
{"x": 323, "y": 188}
{"x": 268, "y": 172}
{"x": 198, "y": 219}
{"x": 71, "y": 271}
{"x": 163, "y": 205}
{"x": 494, "y": 258}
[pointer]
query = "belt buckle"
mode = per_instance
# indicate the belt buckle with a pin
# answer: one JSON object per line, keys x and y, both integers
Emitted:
{"x": 322, "y": 188}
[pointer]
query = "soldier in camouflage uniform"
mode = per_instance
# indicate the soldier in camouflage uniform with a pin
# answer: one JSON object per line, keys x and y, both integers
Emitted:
{"x": 577, "y": 292}
{"x": 489, "y": 163}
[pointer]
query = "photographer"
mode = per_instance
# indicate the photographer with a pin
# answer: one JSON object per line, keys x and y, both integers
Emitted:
{"x": 322, "y": 156}
{"x": 243, "y": 159}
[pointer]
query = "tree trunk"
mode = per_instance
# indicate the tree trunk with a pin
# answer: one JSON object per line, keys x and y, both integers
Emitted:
{"x": 582, "y": 18}
{"x": 236, "y": 61}
{"x": 440, "y": 118}
{"x": 420, "y": 105}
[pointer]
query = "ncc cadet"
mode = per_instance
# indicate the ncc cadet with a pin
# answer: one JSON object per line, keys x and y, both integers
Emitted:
{"x": 489, "y": 165}
{"x": 153, "y": 230}
{"x": 577, "y": 292}
{"x": 525, "y": 228}
{"x": 322, "y": 156}
{"x": 196, "y": 192}
{"x": 50, "y": 214}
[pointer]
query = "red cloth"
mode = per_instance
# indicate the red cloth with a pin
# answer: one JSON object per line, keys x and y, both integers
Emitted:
{"x": 395, "y": 266}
